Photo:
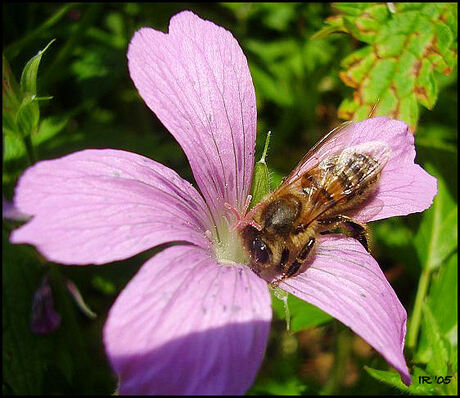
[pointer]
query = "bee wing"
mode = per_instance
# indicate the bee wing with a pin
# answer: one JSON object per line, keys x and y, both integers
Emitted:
{"x": 298, "y": 170}
{"x": 337, "y": 180}
{"x": 367, "y": 212}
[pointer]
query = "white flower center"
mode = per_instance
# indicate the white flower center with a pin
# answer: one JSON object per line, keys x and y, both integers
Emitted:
{"x": 227, "y": 244}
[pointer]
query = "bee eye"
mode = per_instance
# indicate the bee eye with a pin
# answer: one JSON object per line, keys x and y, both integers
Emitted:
{"x": 260, "y": 251}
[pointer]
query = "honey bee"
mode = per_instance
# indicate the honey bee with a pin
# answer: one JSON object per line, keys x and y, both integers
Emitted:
{"x": 317, "y": 197}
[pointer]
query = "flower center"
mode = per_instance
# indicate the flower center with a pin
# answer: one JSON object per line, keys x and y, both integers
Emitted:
{"x": 227, "y": 244}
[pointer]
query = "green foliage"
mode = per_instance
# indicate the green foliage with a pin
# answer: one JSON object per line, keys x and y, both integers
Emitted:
{"x": 437, "y": 349}
{"x": 443, "y": 298}
{"x": 24, "y": 368}
{"x": 297, "y": 75}
{"x": 28, "y": 113}
{"x": 261, "y": 179}
{"x": 438, "y": 363}
{"x": 393, "y": 379}
{"x": 32, "y": 363}
{"x": 302, "y": 315}
{"x": 30, "y": 72}
{"x": 406, "y": 44}
{"x": 10, "y": 97}
{"x": 437, "y": 237}
{"x": 20, "y": 109}
{"x": 291, "y": 386}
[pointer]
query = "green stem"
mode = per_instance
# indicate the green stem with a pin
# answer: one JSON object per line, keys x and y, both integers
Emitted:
{"x": 414, "y": 324}
{"x": 30, "y": 149}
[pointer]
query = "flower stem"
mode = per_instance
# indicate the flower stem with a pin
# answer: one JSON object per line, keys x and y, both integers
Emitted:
{"x": 414, "y": 324}
{"x": 30, "y": 149}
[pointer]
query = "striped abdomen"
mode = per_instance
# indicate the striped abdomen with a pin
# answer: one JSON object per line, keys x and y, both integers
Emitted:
{"x": 338, "y": 184}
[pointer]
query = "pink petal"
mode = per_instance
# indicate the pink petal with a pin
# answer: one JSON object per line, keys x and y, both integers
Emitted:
{"x": 97, "y": 206}
{"x": 346, "y": 282}
{"x": 187, "y": 325}
{"x": 196, "y": 80}
{"x": 404, "y": 187}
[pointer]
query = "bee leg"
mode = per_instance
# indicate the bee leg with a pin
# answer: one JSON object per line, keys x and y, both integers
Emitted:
{"x": 293, "y": 268}
{"x": 354, "y": 229}
{"x": 297, "y": 263}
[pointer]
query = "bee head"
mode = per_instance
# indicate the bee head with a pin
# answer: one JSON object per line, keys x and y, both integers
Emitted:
{"x": 257, "y": 247}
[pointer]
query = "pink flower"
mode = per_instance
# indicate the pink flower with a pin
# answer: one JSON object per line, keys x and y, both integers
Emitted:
{"x": 195, "y": 319}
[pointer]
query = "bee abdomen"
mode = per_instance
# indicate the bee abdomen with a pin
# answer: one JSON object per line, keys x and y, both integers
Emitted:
{"x": 311, "y": 185}
{"x": 357, "y": 168}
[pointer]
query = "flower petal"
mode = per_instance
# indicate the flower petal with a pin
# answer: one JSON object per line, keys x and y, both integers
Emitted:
{"x": 196, "y": 80}
{"x": 404, "y": 187}
{"x": 346, "y": 282}
{"x": 97, "y": 206}
{"x": 187, "y": 325}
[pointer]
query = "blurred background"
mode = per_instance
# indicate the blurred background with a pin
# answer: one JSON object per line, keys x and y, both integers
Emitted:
{"x": 299, "y": 90}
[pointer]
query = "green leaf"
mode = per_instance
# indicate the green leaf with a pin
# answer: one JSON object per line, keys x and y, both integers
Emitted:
{"x": 393, "y": 233}
{"x": 269, "y": 87}
{"x": 443, "y": 305}
{"x": 290, "y": 386}
{"x": 437, "y": 136}
{"x": 283, "y": 63}
{"x": 443, "y": 297}
{"x": 396, "y": 70}
{"x": 31, "y": 360}
{"x": 305, "y": 315}
{"x": 11, "y": 96}
{"x": 10, "y": 89}
{"x": 23, "y": 368}
{"x": 28, "y": 115}
{"x": 49, "y": 128}
{"x": 21, "y": 106}
{"x": 317, "y": 53}
{"x": 437, "y": 363}
{"x": 276, "y": 179}
{"x": 393, "y": 379}
{"x": 278, "y": 15}
{"x": 13, "y": 147}
{"x": 30, "y": 71}
{"x": 436, "y": 238}
{"x": 261, "y": 181}
{"x": 302, "y": 314}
